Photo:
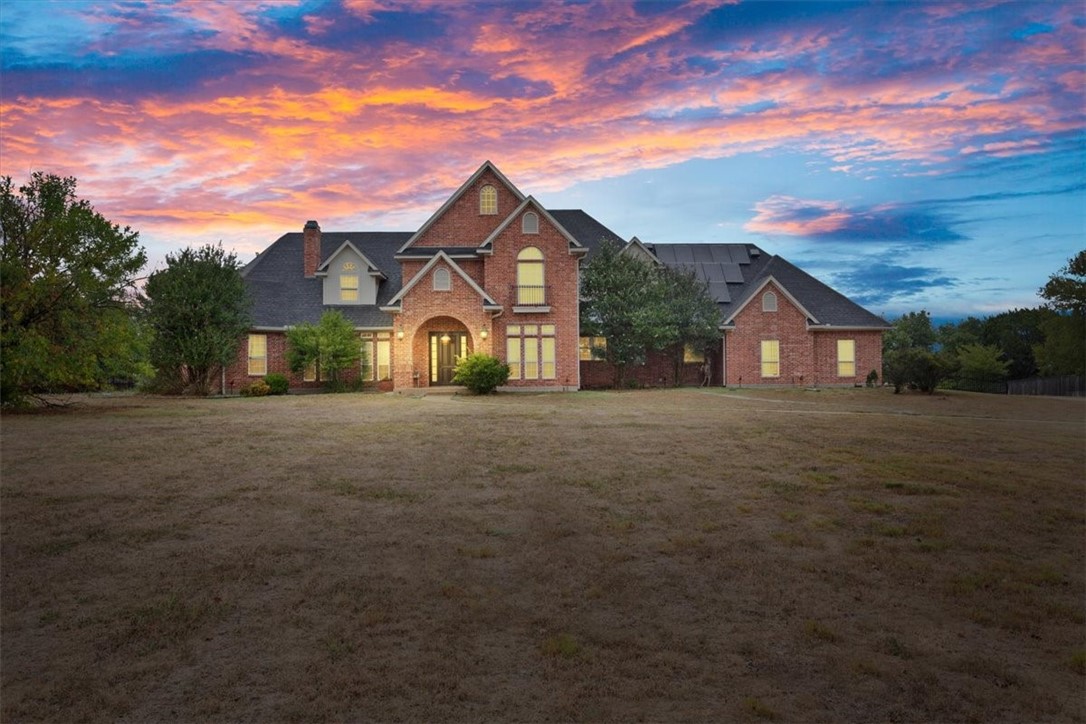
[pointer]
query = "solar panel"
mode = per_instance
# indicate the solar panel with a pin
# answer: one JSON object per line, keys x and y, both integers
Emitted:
{"x": 719, "y": 292}
{"x": 702, "y": 252}
{"x": 683, "y": 253}
{"x": 720, "y": 253}
{"x": 714, "y": 272}
{"x": 733, "y": 273}
{"x": 665, "y": 253}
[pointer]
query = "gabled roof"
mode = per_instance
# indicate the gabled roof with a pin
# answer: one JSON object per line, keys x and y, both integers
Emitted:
{"x": 396, "y": 302}
{"x": 487, "y": 166}
{"x": 530, "y": 201}
{"x": 282, "y": 296}
{"x": 322, "y": 270}
{"x": 635, "y": 246}
{"x": 588, "y": 232}
{"x": 756, "y": 290}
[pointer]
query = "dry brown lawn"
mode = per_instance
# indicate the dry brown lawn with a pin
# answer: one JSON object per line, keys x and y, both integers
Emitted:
{"x": 679, "y": 555}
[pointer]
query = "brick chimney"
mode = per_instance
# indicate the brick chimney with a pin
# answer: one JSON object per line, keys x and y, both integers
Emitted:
{"x": 311, "y": 252}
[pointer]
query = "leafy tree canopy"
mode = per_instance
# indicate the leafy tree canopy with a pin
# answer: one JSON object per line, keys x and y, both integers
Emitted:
{"x": 198, "y": 310}
{"x": 910, "y": 331}
{"x": 1066, "y": 289}
{"x": 67, "y": 275}
{"x": 332, "y": 345}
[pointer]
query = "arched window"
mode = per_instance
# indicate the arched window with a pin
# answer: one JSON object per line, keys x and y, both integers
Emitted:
{"x": 530, "y": 285}
{"x": 488, "y": 200}
{"x": 529, "y": 223}
{"x": 442, "y": 280}
{"x": 769, "y": 302}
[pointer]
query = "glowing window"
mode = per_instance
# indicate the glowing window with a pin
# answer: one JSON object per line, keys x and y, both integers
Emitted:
{"x": 258, "y": 354}
{"x": 593, "y": 348}
{"x": 771, "y": 358}
{"x": 846, "y": 358}
{"x": 348, "y": 287}
{"x": 488, "y": 200}
{"x": 530, "y": 287}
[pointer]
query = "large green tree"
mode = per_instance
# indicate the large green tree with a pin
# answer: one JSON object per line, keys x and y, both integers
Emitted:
{"x": 332, "y": 345}
{"x": 67, "y": 275}
{"x": 198, "y": 310}
{"x": 1063, "y": 351}
{"x": 693, "y": 317}
{"x": 622, "y": 301}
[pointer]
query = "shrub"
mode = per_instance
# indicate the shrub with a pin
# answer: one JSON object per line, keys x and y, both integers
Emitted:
{"x": 872, "y": 379}
{"x": 257, "y": 389}
{"x": 481, "y": 373}
{"x": 277, "y": 384}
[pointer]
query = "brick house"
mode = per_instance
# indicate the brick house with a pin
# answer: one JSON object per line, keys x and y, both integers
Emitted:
{"x": 493, "y": 271}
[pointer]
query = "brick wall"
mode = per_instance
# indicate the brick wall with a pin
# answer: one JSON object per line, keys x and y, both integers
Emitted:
{"x": 658, "y": 371}
{"x": 462, "y": 224}
{"x": 868, "y": 356}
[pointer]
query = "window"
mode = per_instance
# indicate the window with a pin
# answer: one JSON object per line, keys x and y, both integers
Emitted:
{"x": 258, "y": 354}
{"x": 310, "y": 373}
{"x": 529, "y": 223}
{"x": 846, "y": 358}
{"x": 384, "y": 355}
{"x": 692, "y": 355}
{"x": 588, "y": 344}
{"x": 769, "y": 302}
{"x": 530, "y": 289}
{"x": 367, "y": 356}
{"x": 771, "y": 358}
{"x": 488, "y": 200}
{"x": 530, "y": 351}
{"x": 442, "y": 280}
{"x": 348, "y": 287}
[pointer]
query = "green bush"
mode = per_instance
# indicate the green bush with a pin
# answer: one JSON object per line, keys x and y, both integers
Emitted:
{"x": 481, "y": 373}
{"x": 872, "y": 379}
{"x": 277, "y": 384}
{"x": 257, "y": 389}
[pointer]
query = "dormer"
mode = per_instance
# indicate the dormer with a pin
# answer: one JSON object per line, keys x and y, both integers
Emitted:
{"x": 349, "y": 277}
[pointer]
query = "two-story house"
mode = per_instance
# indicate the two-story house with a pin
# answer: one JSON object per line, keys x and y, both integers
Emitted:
{"x": 493, "y": 271}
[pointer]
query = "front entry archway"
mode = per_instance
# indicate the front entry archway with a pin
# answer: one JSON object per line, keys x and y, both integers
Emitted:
{"x": 446, "y": 348}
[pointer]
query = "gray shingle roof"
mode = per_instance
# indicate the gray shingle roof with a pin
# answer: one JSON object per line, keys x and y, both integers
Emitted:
{"x": 588, "y": 232}
{"x": 282, "y": 296}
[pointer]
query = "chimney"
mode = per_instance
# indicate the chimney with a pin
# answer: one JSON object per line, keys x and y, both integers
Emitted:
{"x": 311, "y": 253}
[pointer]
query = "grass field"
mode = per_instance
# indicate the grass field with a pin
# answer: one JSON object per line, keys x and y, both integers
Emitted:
{"x": 679, "y": 555}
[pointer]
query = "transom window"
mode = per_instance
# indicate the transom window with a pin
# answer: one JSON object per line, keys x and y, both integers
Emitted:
{"x": 442, "y": 280}
{"x": 348, "y": 287}
{"x": 846, "y": 358}
{"x": 488, "y": 200}
{"x": 771, "y": 358}
{"x": 530, "y": 351}
{"x": 530, "y": 277}
{"x": 529, "y": 223}
{"x": 769, "y": 302}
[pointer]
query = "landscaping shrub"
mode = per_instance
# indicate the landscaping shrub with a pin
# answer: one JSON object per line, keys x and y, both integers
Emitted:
{"x": 872, "y": 379}
{"x": 481, "y": 373}
{"x": 257, "y": 389}
{"x": 277, "y": 384}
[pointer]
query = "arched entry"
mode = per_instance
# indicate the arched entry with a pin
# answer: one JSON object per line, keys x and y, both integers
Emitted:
{"x": 441, "y": 341}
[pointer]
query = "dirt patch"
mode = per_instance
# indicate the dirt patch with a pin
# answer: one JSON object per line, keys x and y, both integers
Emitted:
{"x": 843, "y": 555}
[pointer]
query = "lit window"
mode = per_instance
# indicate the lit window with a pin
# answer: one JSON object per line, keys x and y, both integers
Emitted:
{"x": 348, "y": 287}
{"x": 258, "y": 354}
{"x": 771, "y": 358}
{"x": 384, "y": 355}
{"x": 769, "y": 302}
{"x": 310, "y": 373}
{"x": 529, "y": 224}
{"x": 442, "y": 280}
{"x": 692, "y": 355}
{"x": 530, "y": 289}
{"x": 846, "y": 358}
{"x": 531, "y": 351}
{"x": 593, "y": 348}
{"x": 488, "y": 200}
{"x": 367, "y": 356}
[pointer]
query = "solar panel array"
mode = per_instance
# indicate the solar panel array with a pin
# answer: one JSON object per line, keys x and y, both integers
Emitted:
{"x": 718, "y": 265}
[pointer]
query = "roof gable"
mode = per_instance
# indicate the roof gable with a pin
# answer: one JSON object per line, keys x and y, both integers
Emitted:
{"x": 396, "y": 302}
{"x": 487, "y": 166}
{"x": 374, "y": 270}
{"x": 758, "y": 289}
{"x": 574, "y": 245}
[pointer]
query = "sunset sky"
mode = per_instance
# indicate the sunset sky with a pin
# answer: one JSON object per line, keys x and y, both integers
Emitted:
{"x": 912, "y": 155}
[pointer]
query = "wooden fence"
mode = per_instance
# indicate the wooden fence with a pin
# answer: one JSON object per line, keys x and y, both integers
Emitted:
{"x": 1063, "y": 386}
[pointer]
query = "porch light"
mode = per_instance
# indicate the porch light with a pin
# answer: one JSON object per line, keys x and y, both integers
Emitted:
{"x": 484, "y": 334}
{"x": 445, "y": 338}
{"x": 399, "y": 333}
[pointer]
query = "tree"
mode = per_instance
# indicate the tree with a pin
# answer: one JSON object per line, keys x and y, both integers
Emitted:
{"x": 1066, "y": 289}
{"x": 979, "y": 366}
{"x": 909, "y": 331}
{"x": 951, "y": 337}
{"x": 67, "y": 277}
{"x": 693, "y": 318}
{"x": 198, "y": 310}
{"x": 332, "y": 345}
{"x": 622, "y": 302}
{"x": 1016, "y": 333}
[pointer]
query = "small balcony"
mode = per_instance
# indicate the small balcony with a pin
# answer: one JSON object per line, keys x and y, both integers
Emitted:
{"x": 531, "y": 298}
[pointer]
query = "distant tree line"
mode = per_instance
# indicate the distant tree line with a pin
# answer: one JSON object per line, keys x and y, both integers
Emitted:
{"x": 979, "y": 354}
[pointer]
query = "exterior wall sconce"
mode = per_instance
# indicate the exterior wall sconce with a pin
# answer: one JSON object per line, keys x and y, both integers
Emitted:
{"x": 445, "y": 338}
{"x": 399, "y": 333}
{"x": 484, "y": 334}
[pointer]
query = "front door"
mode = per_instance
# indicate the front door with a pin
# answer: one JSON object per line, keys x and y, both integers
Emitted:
{"x": 445, "y": 349}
